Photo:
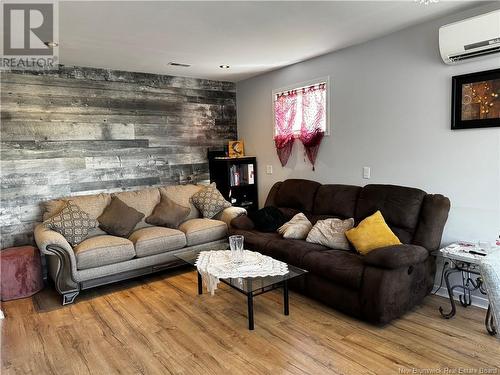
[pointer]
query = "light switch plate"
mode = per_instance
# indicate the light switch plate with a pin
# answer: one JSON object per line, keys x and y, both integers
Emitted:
{"x": 269, "y": 169}
{"x": 367, "y": 172}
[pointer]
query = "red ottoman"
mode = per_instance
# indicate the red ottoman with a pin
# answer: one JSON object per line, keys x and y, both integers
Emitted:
{"x": 21, "y": 272}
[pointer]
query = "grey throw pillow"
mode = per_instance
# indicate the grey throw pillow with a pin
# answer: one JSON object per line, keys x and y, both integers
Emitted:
{"x": 209, "y": 201}
{"x": 72, "y": 222}
{"x": 168, "y": 214}
{"x": 331, "y": 233}
{"x": 118, "y": 219}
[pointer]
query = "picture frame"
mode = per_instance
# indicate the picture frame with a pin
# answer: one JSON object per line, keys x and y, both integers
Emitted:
{"x": 236, "y": 149}
{"x": 475, "y": 101}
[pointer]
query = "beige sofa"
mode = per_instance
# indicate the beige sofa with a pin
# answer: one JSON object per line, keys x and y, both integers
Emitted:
{"x": 101, "y": 258}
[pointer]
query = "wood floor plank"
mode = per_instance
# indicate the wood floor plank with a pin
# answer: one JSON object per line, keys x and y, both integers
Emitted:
{"x": 160, "y": 325}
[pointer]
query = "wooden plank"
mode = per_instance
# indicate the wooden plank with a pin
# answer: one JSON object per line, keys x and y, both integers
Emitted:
{"x": 108, "y": 76}
{"x": 105, "y": 105}
{"x": 12, "y": 131}
{"x": 48, "y": 150}
{"x": 167, "y": 94}
{"x": 42, "y": 165}
{"x": 116, "y": 185}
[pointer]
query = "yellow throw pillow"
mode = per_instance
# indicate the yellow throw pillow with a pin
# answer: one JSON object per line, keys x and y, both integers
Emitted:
{"x": 372, "y": 233}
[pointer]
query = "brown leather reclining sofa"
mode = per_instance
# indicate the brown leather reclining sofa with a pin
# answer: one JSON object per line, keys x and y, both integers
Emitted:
{"x": 377, "y": 287}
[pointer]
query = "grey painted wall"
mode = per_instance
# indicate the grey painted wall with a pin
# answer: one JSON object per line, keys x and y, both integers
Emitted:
{"x": 390, "y": 110}
{"x": 83, "y": 131}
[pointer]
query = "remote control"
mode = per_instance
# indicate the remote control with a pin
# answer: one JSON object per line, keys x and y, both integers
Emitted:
{"x": 477, "y": 253}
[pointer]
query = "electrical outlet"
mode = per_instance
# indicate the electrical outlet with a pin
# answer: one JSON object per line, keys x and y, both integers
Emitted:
{"x": 367, "y": 172}
{"x": 269, "y": 169}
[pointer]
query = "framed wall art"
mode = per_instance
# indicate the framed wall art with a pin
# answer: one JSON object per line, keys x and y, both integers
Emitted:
{"x": 476, "y": 100}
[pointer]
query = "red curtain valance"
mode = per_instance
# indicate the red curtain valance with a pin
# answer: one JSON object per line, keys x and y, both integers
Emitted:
{"x": 312, "y": 103}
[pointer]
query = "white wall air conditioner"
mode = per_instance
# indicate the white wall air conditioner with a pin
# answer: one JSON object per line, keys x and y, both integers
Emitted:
{"x": 471, "y": 38}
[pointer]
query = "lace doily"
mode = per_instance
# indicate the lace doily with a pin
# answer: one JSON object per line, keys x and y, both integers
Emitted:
{"x": 215, "y": 265}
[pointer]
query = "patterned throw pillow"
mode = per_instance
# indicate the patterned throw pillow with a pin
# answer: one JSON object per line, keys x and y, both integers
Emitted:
{"x": 297, "y": 228}
{"x": 72, "y": 222}
{"x": 331, "y": 233}
{"x": 209, "y": 201}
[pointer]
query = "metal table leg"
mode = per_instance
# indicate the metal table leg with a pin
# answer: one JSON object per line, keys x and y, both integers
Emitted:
{"x": 250, "y": 306}
{"x": 250, "y": 311}
{"x": 466, "y": 299}
{"x": 285, "y": 297}
{"x": 200, "y": 284}
{"x": 489, "y": 322}
{"x": 453, "y": 311}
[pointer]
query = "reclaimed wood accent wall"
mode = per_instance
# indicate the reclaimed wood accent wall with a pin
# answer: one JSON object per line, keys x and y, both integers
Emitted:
{"x": 83, "y": 131}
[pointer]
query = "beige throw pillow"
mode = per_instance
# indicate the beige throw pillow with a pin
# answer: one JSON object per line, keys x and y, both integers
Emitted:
{"x": 331, "y": 233}
{"x": 297, "y": 228}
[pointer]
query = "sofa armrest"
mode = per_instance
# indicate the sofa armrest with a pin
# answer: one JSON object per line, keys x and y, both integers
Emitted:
{"x": 62, "y": 262}
{"x": 242, "y": 222}
{"x": 230, "y": 213}
{"x": 397, "y": 256}
{"x": 47, "y": 240}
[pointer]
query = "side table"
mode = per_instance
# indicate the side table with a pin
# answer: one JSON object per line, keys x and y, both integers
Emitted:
{"x": 21, "y": 272}
{"x": 458, "y": 260}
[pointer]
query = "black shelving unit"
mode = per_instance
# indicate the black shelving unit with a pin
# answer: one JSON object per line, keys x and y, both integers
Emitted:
{"x": 236, "y": 179}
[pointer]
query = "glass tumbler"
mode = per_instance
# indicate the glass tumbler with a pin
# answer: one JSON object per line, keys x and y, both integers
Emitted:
{"x": 236, "y": 246}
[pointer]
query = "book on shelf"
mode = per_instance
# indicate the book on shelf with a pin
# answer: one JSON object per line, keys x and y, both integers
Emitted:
{"x": 251, "y": 176}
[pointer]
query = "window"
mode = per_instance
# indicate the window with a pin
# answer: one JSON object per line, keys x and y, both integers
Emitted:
{"x": 301, "y": 113}
{"x": 291, "y": 102}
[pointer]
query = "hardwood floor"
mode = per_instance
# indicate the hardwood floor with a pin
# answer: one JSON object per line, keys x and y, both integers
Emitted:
{"x": 159, "y": 325}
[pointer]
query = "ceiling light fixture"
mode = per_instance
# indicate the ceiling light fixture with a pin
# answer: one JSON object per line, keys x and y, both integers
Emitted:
{"x": 426, "y": 2}
{"x": 179, "y": 64}
{"x": 224, "y": 66}
{"x": 51, "y": 44}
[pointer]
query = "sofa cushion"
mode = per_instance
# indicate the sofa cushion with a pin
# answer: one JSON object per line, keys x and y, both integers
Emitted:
{"x": 288, "y": 213}
{"x": 168, "y": 214}
{"x": 102, "y": 250}
{"x": 181, "y": 194}
{"x": 94, "y": 205}
{"x": 155, "y": 240}
{"x": 72, "y": 222}
{"x": 119, "y": 219}
{"x": 200, "y": 231}
{"x": 144, "y": 201}
{"x": 342, "y": 267}
{"x": 297, "y": 193}
{"x": 399, "y": 205}
{"x": 336, "y": 200}
{"x": 255, "y": 240}
{"x": 291, "y": 251}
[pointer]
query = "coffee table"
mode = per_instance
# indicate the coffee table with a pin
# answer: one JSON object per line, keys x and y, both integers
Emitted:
{"x": 250, "y": 286}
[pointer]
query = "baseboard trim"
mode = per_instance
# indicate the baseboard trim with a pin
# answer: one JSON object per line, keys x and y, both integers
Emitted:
{"x": 478, "y": 301}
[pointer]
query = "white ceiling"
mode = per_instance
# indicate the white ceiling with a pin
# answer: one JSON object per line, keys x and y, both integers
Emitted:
{"x": 251, "y": 37}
